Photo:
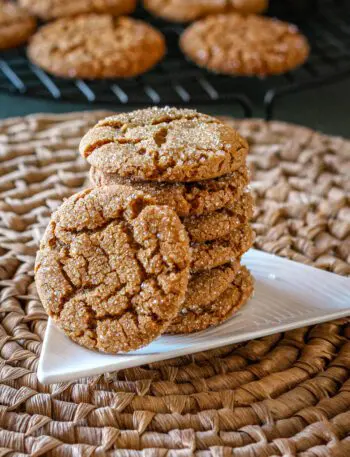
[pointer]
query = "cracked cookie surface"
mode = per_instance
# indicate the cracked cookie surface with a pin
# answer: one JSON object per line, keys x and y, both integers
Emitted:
{"x": 51, "y": 9}
{"x": 164, "y": 144}
{"x": 112, "y": 270}
{"x": 95, "y": 46}
{"x": 185, "y": 198}
{"x": 244, "y": 45}
{"x": 221, "y": 223}
{"x": 206, "y": 286}
{"x": 211, "y": 254}
{"x": 16, "y": 26}
{"x": 190, "y": 10}
{"x": 218, "y": 311}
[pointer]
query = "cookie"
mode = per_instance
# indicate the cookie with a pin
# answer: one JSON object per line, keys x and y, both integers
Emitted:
{"x": 221, "y": 309}
{"x": 112, "y": 270}
{"x": 51, "y": 9}
{"x": 205, "y": 256}
{"x": 205, "y": 287}
{"x": 96, "y": 46}
{"x": 191, "y": 10}
{"x": 221, "y": 223}
{"x": 16, "y": 26}
{"x": 164, "y": 144}
{"x": 244, "y": 45}
{"x": 185, "y": 198}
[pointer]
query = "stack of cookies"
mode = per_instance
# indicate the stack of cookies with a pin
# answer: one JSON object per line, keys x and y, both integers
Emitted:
{"x": 155, "y": 246}
{"x": 196, "y": 165}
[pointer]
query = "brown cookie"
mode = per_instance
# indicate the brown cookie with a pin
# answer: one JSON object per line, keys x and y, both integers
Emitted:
{"x": 164, "y": 144}
{"x": 212, "y": 254}
{"x": 51, "y": 9}
{"x": 206, "y": 286}
{"x": 190, "y": 10}
{"x": 112, "y": 270}
{"x": 244, "y": 45}
{"x": 221, "y": 309}
{"x": 96, "y": 46}
{"x": 16, "y": 26}
{"x": 185, "y": 198}
{"x": 221, "y": 223}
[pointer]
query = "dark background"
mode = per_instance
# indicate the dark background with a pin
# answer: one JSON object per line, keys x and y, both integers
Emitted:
{"x": 325, "y": 108}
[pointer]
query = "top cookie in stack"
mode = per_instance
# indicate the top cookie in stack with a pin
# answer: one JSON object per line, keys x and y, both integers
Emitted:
{"x": 164, "y": 145}
{"x": 195, "y": 164}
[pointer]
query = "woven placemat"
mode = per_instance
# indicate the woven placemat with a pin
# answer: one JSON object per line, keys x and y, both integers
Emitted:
{"x": 283, "y": 395}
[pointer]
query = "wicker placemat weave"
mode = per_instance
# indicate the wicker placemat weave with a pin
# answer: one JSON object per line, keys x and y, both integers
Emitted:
{"x": 283, "y": 395}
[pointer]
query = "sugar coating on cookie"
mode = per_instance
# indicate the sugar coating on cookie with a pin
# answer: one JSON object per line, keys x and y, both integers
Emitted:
{"x": 16, "y": 26}
{"x": 211, "y": 254}
{"x": 206, "y": 286}
{"x": 112, "y": 270}
{"x": 51, "y": 9}
{"x": 218, "y": 311}
{"x": 221, "y": 223}
{"x": 190, "y": 10}
{"x": 244, "y": 45}
{"x": 97, "y": 46}
{"x": 164, "y": 144}
{"x": 186, "y": 199}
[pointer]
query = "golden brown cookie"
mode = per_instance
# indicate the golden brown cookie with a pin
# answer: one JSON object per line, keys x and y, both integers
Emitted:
{"x": 112, "y": 270}
{"x": 218, "y": 252}
{"x": 190, "y": 10}
{"x": 51, "y": 9}
{"x": 185, "y": 198}
{"x": 96, "y": 46}
{"x": 221, "y": 223}
{"x": 206, "y": 286}
{"x": 217, "y": 312}
{"x": 164, "y": 144}
{"x": 16, "y": 26}
{"x": 244, "y": 45}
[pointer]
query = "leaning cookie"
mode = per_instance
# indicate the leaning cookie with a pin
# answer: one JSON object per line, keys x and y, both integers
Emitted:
{"x": 245, "y": 45}
{"x": 112, "y": 270}
{"x": 97, "y": 46}
{"x": 52, "y": 9}
{"x": 16, "y": 26}
{"x": 190, "y": 10}
{"x": 164, "y": 145}
{"x": 224, "y": 307}
{"x": 187, "y": 199}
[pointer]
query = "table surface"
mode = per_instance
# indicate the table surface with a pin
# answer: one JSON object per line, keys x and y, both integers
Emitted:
{"x": 326, "y": 109}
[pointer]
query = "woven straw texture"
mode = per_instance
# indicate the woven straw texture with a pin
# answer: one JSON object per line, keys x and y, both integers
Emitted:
{"x": 283, "y": 395}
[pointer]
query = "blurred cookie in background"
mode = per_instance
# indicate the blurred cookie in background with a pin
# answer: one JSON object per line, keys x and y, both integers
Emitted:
{"x": 51, "y": 9}
{"x": 233, "y": 44}
{"x": 16, "y": 26}
{"x": 190, "y": 10}
{"x": 97, "y": 46}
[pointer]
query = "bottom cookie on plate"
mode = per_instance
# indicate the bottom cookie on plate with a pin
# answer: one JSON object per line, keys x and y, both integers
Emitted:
{"x": 218, "y": 311}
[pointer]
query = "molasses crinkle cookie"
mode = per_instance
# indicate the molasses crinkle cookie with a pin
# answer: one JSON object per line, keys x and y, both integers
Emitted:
{"x": 244, "y": 45}
{"x": 112, "y": 270}
{"x": 190, "y": 10}
{"x": 16, "y": 26}
{"x": 187, "y": 199}
{"x": 194, "y": 319}
{"x": 164, "y": 144}
{"x": 51, "y": 9}
{"x": 97, "y": 46}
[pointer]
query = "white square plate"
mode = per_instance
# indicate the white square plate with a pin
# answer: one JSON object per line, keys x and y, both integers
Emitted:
{"x": 287, "y": 295}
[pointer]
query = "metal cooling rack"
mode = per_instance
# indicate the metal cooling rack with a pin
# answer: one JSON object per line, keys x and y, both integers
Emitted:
{"x": 177, "y": 81}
